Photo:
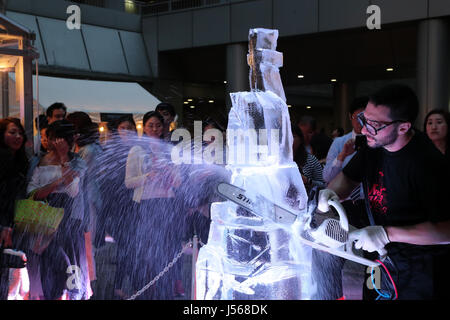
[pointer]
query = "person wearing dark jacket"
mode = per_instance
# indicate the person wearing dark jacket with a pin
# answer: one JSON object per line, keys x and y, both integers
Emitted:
{"x": 13, "y": 168}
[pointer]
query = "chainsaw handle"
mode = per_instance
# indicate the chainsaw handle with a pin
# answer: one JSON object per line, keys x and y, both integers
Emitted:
{"x": 341, "y": 211}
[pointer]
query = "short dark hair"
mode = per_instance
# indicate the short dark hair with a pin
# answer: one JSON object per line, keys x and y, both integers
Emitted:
{"x": 41, "y": 121}
{"x": 166, "y": 106}
{"x": 121, "y": 119}
{"x": 44, "y": 126}
{"x": 401, "y": 101}
{"x": 84, "y": 126}
{"x": 210, "y": 121}
{"x": 61, "y": 129}
{"x": 308, "y": 120}
{"x": 358, "y": 103}
{"x": 56, "y": 105}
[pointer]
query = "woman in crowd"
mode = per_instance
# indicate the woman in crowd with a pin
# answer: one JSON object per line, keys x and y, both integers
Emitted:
{"x": 86, "y": 145}
{"x": 153, "y": 182}
{"x": 210, "y": 136}
{"x": 57, "y": 178}
{"x": 13, "y": 169}
{"x": 88, "y": 148}
{"x": 198, "y": 218}
{"x": 119, "y": 214}
{"x": 310, "y": 168}
{"x": 436, "y": 127}
{"x": 44, "y": 143}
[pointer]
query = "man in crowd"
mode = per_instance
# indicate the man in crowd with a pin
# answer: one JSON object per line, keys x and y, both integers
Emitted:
{"x": 167, "y": 111}
{"x": 308, "y": 126}
{"x": 406, "y": 182}
{"x": 341, "y": 151}
{"x": 56, "y": 111}
{"x": 343, "y": 148}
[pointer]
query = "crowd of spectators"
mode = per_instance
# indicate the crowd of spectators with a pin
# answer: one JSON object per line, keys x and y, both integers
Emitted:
{"x": 127, "y": 189}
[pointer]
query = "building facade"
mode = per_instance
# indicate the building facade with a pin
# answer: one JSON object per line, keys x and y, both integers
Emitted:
{"x": 193, "y": 52}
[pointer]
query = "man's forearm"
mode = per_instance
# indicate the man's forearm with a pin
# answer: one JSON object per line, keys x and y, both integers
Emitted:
{"x": 342, "y": 185}
{"x": 426, "y": 233}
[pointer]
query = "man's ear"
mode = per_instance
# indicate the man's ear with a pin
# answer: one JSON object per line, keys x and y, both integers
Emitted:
{"x": 404, "y": 127}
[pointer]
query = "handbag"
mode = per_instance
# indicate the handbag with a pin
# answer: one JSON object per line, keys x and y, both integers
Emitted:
{"x": 36, "y": 217}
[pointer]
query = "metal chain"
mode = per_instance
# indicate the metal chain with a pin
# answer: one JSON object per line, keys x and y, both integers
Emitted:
{"x": 164, "y": 271}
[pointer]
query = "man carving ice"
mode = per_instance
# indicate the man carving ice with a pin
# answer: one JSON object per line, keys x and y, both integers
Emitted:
{"x": 406, "y": 187}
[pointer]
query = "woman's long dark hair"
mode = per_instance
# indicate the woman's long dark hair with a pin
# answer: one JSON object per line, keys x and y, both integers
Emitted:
{"x": 446, "y": 116}
{"x": 301, "y": 154}
{"x": 21, "y": 159}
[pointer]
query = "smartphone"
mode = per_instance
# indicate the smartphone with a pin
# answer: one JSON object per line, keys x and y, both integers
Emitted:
{"x": 360, "y": 141}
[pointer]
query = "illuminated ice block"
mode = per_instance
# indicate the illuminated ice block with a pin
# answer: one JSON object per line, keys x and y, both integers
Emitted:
{"x": 246, "y": 256}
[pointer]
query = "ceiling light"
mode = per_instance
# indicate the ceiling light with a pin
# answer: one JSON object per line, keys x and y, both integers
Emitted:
{"x": 192, "y": 107}
{"x": 211, "y": 101}
{"x": 308, "y": 107}
{"x": 289, "y": 106}
{"x": 333, "y": 80}
{"x": 390, "y": 69}
{"x": 300, "y": 76}
{"x": 189, "y": 100}
{"x": 225, "y": 82}
{"x": 186, "y": 102}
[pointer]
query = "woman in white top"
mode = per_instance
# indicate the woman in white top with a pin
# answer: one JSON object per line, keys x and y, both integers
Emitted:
{"x": 57, "y": 178}
{"x": 153, "y": 179}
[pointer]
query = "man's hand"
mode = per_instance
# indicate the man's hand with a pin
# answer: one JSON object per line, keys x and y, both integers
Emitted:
{"x": 372, "y": 238}
{"x": 324, "y": 196}
{"x": 348, "y": 149}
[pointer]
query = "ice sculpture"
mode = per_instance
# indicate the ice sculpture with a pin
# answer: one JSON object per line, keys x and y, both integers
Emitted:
{"x": 247, "y": 256}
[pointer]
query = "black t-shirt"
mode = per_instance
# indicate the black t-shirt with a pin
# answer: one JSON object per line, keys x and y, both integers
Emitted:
{"x": 409, "y": 187}
{"x": 405, "y": 187}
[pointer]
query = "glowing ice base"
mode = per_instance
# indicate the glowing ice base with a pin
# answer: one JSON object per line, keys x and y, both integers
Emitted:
{"x": 248, "y": 257}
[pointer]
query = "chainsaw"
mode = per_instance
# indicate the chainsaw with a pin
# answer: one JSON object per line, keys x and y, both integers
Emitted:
{"x": 330, "y": 236}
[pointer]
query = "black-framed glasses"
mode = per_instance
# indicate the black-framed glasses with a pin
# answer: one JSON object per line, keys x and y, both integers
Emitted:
{"x": 373, "y": 126}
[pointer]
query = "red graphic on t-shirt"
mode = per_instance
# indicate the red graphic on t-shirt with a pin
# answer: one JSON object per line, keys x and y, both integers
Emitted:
{"x": 377, "y": 195}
